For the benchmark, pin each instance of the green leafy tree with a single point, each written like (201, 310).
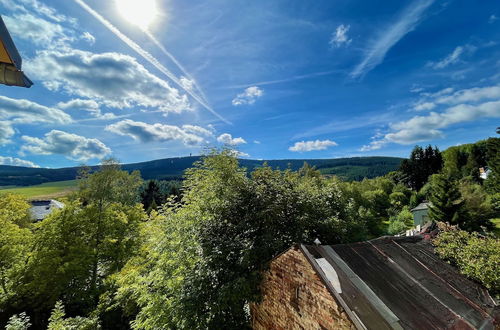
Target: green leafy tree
(476, 257)
(15, 245)
(202, 259)
(76, 249)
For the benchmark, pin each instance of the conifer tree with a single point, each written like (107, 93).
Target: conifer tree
(446, 201)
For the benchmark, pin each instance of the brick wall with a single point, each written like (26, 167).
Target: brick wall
(294, 297)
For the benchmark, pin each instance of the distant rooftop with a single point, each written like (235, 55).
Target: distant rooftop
(421, 206)
(40, 209)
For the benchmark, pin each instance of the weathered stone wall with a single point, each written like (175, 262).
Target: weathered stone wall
(294, 297)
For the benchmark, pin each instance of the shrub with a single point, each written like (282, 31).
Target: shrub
(476, 257)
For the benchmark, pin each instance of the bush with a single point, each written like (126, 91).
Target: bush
(476, 257)
(18, 322)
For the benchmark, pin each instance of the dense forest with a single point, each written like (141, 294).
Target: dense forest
(356, 168)
(124, 253)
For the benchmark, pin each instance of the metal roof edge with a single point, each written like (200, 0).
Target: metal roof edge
(352, 315)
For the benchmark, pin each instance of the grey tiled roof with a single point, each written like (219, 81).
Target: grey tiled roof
(421, 206)
(41, 209)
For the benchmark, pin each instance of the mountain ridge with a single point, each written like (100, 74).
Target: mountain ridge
(352, 168)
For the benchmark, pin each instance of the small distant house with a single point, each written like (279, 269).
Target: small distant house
(40, 209)
(386, 283)
(421, 214)
(484, 172)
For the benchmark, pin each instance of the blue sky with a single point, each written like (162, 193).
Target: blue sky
(274, 79)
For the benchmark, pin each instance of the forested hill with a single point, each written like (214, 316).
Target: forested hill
(355, 168)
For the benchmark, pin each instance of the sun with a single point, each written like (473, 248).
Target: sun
(138, 12)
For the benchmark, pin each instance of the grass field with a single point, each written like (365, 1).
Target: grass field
(44, 190)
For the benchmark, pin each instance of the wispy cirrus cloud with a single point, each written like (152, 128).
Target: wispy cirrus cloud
(391, 35)
(73, 146)
(304, 146)
(452, 58)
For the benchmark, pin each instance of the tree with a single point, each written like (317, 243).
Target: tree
(15, 245)
(421, 164)
(476, 257)
(493, 156)
(446, 201)
(78, 248)
(151, 196)
(203, 258)
(18, 322)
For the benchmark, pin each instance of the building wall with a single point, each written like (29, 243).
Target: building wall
(420, 217)
(294, 297)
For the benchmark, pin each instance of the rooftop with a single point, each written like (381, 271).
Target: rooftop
(40, 209)
(421, 206)
(398, 282)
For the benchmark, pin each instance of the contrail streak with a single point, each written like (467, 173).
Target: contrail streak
(173, 59)
(147, 56)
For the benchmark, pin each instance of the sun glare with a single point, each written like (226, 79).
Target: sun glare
(138, 12)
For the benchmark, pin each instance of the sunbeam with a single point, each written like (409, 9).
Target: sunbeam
(148, 57)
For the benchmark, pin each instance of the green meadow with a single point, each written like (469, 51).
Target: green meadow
(44, 190)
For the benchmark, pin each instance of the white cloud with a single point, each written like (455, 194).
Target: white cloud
(12, 161)
(389, 36)
(25, 111)
(239, 154)
(424, 106)
(37, 30)
(493, 18)
(88, 37)
(249, 96)
(80, 104)
(460, 107)
(62, 143)
(22, 111)
(339, 37)
(114, 79)
(6, 132)
(226, 138)
(140, 131)
(470, 95)
(304, 146)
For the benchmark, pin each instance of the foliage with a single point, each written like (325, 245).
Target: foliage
(70, 255)
(421, 164)
(18, 322)
(446, 201)
(155, 193)
(493, 152)
(57, 320)
(201, 264)
(402, 221)
(476, 257)
(15, 243)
